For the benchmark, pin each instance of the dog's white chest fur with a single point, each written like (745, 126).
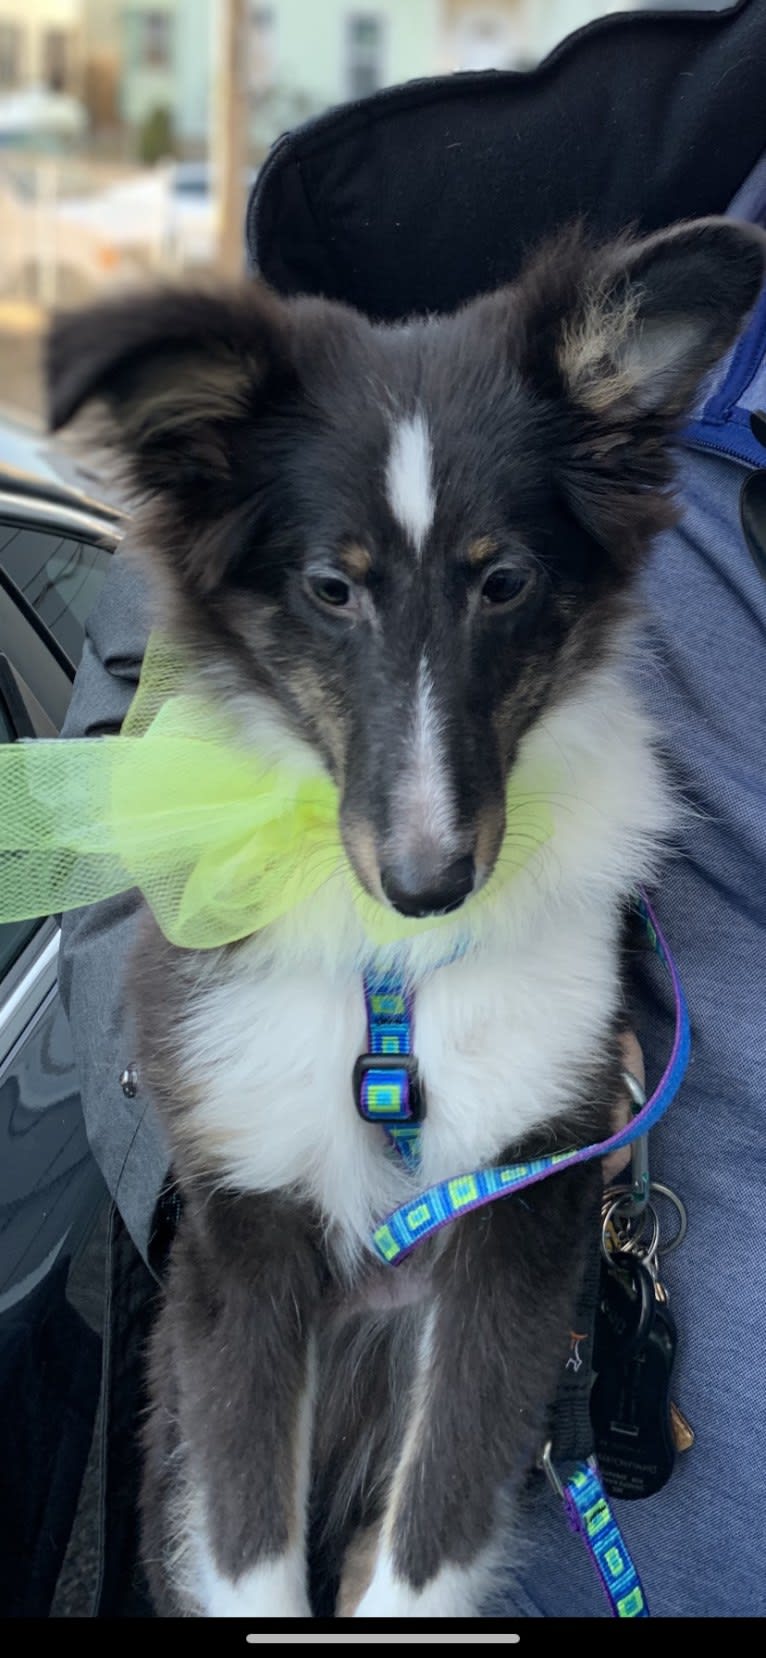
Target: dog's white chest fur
(501, 1034)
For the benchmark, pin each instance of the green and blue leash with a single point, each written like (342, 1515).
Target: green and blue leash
(387, 1092)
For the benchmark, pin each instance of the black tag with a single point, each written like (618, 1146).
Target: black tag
(630, 1400)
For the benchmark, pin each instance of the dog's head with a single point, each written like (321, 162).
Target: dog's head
(407, 544)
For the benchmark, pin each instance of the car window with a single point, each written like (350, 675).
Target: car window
(44, 681)
(13, 934)
(58, 575)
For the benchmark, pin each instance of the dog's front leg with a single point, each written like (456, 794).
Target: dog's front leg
(229, 1438)
(489, 1357)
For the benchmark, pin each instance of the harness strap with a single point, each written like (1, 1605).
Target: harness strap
(434, 1208)
(386, 1087)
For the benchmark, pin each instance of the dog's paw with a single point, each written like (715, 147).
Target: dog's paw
(450, 1594)
(272, 1589)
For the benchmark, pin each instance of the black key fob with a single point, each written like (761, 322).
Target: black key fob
(634, 1350)
(624, 1311)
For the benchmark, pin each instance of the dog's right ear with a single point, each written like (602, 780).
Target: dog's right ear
(180, 374)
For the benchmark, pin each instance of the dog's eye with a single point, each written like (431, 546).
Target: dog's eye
(505, 586)
(330, 590)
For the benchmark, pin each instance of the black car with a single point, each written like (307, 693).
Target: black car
(55, 545)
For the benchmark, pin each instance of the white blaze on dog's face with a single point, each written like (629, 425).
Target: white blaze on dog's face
(409, 478)
(402, 547)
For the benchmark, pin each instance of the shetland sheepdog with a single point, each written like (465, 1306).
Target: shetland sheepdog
(404, 558)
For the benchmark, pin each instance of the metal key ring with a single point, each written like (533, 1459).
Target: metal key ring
(650, 1255)
(683, 1219)
(631, 1215)
(634, 1244)
(618, 1221)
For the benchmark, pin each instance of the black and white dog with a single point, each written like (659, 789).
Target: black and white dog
(405, 557)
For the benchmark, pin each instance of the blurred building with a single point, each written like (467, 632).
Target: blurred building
(340, 50)
(514, 34)
(147, 67)
(40, 45)
(476, 34)
(166, 63)
(301, 56)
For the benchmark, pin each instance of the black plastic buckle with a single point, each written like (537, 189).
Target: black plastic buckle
(390, 1062)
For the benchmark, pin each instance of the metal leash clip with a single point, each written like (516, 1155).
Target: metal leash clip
(639, 1151)
(627, 1208)
(587, 1509)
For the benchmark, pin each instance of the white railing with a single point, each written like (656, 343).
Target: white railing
(65, 232)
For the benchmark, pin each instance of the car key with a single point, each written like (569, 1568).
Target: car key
(630, 1404)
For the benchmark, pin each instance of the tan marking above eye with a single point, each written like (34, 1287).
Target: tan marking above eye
(356, 560)
(482, 548)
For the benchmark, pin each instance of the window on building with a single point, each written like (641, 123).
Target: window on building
(364, 54)
(261, 66)
(10, 54)
(56, 65)
(155, 39)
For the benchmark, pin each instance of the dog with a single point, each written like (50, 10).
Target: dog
(405, 557)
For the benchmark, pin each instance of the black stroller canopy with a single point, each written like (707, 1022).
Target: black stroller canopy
(423, 196)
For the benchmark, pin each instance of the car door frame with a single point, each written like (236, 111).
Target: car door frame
(30, 982)
(30, 508)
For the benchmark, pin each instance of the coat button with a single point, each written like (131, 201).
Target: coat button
(129, 1082)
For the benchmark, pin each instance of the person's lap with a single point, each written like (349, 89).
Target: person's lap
(698, 1543)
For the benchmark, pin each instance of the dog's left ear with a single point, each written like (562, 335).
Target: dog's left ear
(170, 367)
(628, 334)
(179, 376)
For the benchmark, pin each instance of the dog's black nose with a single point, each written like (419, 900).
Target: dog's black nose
(414, 892)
